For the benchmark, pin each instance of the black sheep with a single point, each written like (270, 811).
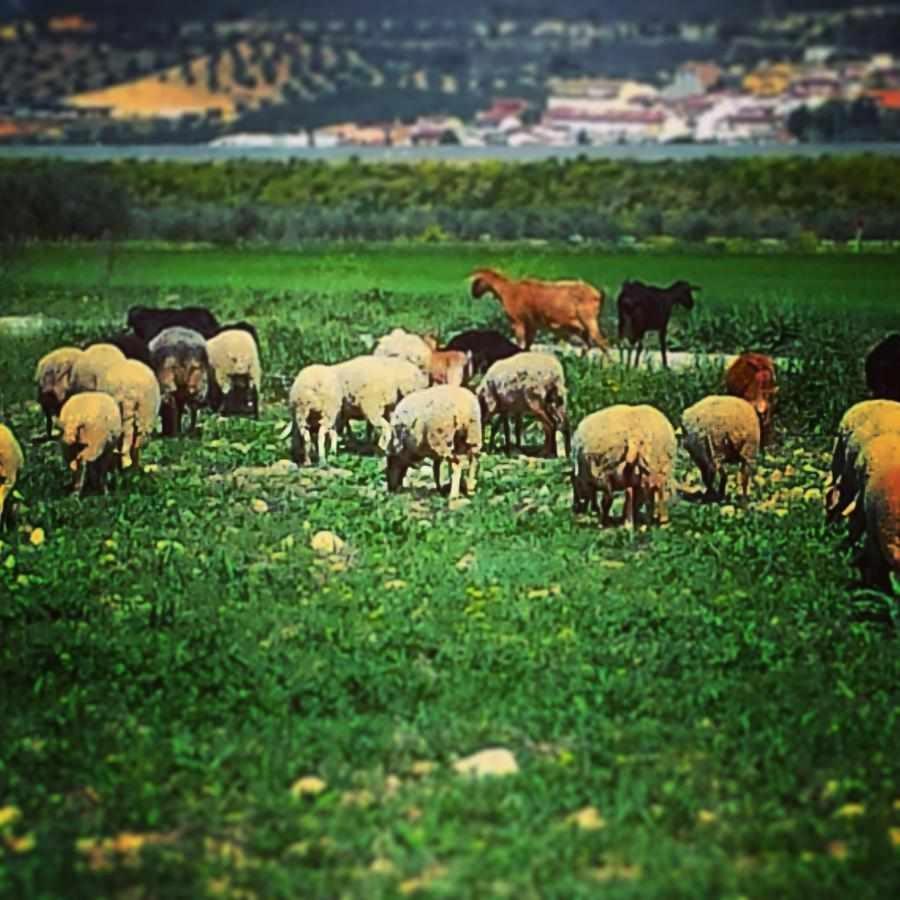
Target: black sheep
(131, 345)
(883, 369)
(486, 346)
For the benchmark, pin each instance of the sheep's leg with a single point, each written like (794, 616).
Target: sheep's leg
(605, 520)
(384, 428)
(436, 471)
(723, 478)
(298, 451)
(334, 439)
(745, 481)
(320, 443)
(506, 434)
(455, 477)
(519, 429)
(630, 508)
(472, 474)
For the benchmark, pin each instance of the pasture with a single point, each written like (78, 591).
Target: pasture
(709, 708)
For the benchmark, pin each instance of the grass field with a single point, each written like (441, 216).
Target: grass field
(176, 655)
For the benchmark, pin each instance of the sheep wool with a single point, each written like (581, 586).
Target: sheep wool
(181, 363)
(859, 425)
(11, 462)
(91, 437)
(92, 364)
(405, 345)
(371, 386)
(527, 383)
(722, 429)
(236, 370)
(881, 554)
(624, 448)
(315, 403)
(439, 423)
(54, 380)
(135, 388)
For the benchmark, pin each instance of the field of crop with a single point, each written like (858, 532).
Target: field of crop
(199, 699)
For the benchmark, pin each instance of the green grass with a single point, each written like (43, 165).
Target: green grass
(173, 660)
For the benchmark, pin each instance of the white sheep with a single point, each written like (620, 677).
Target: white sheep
(92, 364)
(91, 438)
(315, 401)
(181, 362)
(859, 424)
(405, 345)
(532, 384)
(721, 429)
(54, 381)
(11, 462)
(236, 372)
(371, 386)
(881, 501)
(438, 423)
(135, 388)
(624, 448)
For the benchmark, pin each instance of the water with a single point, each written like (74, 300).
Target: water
(640, 152)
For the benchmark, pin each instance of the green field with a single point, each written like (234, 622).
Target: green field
(176, 655)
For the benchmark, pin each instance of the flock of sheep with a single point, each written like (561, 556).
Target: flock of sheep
(413, 395)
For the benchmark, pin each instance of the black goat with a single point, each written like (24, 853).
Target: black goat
(147, 322)
(486, 346)
(131, 345)
(883, 368)
(643, 307)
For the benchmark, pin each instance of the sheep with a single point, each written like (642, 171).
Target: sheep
(242, 326)
(315, 400)
(438, 423)
(572, 307)
(54, 382)
(717, 430)
(862, 422)
(181, 363)
(531, 383)
(868, 455)
(881, 552)
(883, 368)
(624, 448)
(405, 345)
(486, 346)
(453, 367)
(235, 372)
(644, 307)
(371, 386)
(12, 461)
(91, 438)
(135, 388)
(752, 377)
(147, 322)
(90, 367)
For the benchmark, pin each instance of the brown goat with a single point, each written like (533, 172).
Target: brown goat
(752, 377)
(572, 307)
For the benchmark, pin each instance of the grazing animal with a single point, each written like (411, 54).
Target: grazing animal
(54, 382)
(718, 430)
(147, 322)
(486, 346)
(858, 426)
(881, 553)
(135, 388)
(92, 365)
(883, 368)
(91, 438)
(11, 462)
(235, 372)
(529, 383)
(405, 345)
(644, 307)
(572, 307)
(752, 377)
(453, 367)
(371, 386)
(441, 423)
(242, 326)
(624, 448)
(315, 401)
(181, 363)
